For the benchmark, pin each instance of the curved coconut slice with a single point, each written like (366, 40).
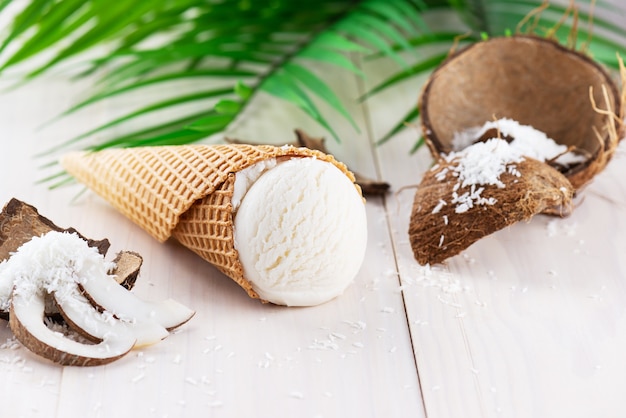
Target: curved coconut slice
(26, 322)
(82, 317)
(444, 222)
(106, 294)
(534, 81)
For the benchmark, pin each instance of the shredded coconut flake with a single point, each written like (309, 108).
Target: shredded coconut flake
(529, 141)
(439, 206)
(53, 263)
(479, 164)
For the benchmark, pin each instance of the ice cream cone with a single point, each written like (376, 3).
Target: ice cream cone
(182, 192)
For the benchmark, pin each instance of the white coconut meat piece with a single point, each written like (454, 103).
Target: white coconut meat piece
(6, 287)
(108, 295)
(27, 323)
(300, 231)
(527, 140)
(60, 264)
(80, 314)
(90, 272)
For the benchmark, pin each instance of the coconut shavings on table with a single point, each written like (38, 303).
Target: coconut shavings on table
(482, 188)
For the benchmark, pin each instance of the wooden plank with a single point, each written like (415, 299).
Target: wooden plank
(349, 357)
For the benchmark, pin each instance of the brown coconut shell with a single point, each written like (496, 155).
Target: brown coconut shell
(535, 81)
(20, 222)
(436, 234)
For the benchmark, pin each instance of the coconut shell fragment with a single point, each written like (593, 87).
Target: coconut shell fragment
(532, 80)
(20, 222)
(126, 270)
(437, 231)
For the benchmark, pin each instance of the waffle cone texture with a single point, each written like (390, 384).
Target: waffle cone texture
(182, 192)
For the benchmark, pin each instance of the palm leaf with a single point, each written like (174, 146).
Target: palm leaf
(271, 43)
(263, 45)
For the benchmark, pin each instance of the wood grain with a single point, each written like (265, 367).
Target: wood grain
(528, 322)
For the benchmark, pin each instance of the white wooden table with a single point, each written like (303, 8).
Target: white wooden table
(528, 322)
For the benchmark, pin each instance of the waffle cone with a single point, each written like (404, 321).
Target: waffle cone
(182, 192)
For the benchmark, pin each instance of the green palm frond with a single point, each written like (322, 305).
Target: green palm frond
(265, 45)
(235, 49)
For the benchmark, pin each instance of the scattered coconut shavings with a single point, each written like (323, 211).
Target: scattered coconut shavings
(54, 263)
(440, 205)
(557, 227)
(483, 162)
(486, 187)
(478, 165)
(529, 141)
(10, 344)
(296, 394)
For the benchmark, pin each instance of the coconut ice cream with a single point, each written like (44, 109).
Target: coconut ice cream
(286, 223)
(300, 231)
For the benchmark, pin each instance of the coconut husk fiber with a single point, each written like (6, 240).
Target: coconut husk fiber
(532, 80)
(437, 232)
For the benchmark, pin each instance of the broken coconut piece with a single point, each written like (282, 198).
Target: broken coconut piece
(535, 81)
(62, 265)
(532, 142)
(187, 192)
(96, 325)
(27, 324)
(106, 294)
(19, 222)
(474, 192)
(126, 270)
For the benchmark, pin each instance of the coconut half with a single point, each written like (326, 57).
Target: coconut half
(532, 80)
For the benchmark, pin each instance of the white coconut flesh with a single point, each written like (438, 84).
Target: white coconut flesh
(26, 321)
(6, 287)
(97, 326)
(63, 267)
(110, 296)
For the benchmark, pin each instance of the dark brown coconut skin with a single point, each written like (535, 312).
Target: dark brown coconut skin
(20, 222)
(530, 79)
(539, 188)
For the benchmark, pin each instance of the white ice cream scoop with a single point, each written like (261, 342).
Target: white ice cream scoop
(300, 230)
(296, 213)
